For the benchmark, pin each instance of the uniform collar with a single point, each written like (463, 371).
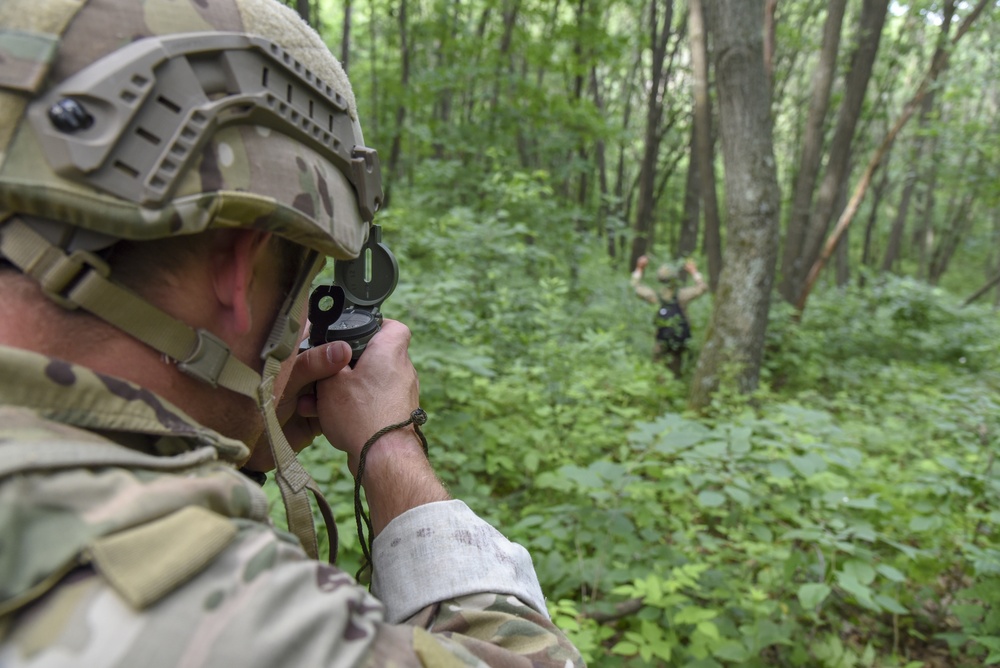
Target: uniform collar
(117, 409)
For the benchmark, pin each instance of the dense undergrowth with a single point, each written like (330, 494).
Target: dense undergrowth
(844, 515)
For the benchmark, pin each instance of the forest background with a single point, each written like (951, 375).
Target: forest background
(819, 487)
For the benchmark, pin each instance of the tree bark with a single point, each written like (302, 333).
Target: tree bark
(651, 142)
(688, 241)
(770, 9)
(510, 14)
(957, 228)
(345, 36)
(600, 156)
(373, 47)
(735, 340)
(843, 256)
(878, 193)
(924, 232)
(302, 7)
(397, 137)
(704, 149)
(812, 151)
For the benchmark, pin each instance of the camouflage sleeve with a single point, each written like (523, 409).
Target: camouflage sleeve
(644, 292)
(262, 603)
(691, 292)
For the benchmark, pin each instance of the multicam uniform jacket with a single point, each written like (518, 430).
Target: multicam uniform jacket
(127, 538)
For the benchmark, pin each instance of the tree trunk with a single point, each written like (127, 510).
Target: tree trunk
(302, 7)
(373, 47)
(869, 34)
(651, 146)
(600, 156)
(956, 228)
(770, 9)
(345, 36)
(923, 235)
(703, 140)
(470, 90)
(735, 339)
(623, 196)
(443, 62)
(878, 193)
(996, 250)
(397, 137)
(577, 99)
(894, 246)
(688, 241)
(843, 256)
(792, 266)
(510, 14)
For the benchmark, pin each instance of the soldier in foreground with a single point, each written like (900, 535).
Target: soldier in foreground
(172, 174)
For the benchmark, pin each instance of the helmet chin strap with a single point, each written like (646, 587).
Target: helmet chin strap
(80, 279)
(291, 476)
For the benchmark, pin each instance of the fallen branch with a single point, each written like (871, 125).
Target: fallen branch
(623, 609)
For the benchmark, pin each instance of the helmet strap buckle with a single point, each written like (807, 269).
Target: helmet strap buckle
(208, 358)
(65, 271)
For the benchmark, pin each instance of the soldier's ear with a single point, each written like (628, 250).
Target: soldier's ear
(233, 261)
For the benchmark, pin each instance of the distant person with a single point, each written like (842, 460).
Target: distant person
(672, 326)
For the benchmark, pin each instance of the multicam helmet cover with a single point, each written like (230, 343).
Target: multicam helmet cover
(144, 120)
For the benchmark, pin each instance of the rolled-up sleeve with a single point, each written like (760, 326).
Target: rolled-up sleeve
(441, 551)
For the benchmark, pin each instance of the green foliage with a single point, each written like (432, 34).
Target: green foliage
(844, 515)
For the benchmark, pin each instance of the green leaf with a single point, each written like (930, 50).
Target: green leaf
(862, 592)
(688, 434)
(860, 571)
(891, 604)
(710, 499)
(925, 523)
(555, 481)
(625, 648)
(694, 615)
(739, 440)
(890, 573)
(738, 495)
(585, 478)
(807, 464)
(989, 642)
(731, 650)
(711, 450)
(812, 594)
(708, 629)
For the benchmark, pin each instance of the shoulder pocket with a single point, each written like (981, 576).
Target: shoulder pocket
(146, 563)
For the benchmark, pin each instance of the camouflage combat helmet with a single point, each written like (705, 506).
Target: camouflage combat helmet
(666, 274)
(145, 119)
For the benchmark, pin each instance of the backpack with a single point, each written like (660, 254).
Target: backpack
(672, 327)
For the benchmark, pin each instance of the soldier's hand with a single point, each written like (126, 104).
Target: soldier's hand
(382, 389)
(297, 407)
(641, 262)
